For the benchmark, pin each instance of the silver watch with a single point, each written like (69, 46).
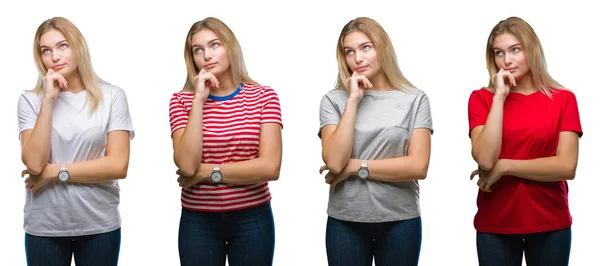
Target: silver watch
(216, 174)
(63, 174)
(363, 171)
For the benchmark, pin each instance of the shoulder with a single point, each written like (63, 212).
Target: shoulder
(562, 93)
(110, 91)
(258, 88)
(31, 98)
(336, 95)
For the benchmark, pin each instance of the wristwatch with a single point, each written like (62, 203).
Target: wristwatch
(216, 175)
(363, 171)
(63, 174)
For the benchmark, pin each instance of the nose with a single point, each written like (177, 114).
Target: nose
(508, 60)
(358, 58)
(55, 56)
(207, 55)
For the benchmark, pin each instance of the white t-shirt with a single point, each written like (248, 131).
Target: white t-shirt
(75, 209)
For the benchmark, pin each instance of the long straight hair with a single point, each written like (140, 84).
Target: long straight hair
(81, 53)
(534, 54)
(237, 66)
(383, 46)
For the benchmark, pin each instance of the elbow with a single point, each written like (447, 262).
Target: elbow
(34, 168)
(421, 172)
(571, 170)
(333, 167)
(273, 173)
(121, 171)
(485, 165)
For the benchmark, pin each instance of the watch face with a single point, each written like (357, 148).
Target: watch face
(216, 176)
(63, 176)
(363, 173)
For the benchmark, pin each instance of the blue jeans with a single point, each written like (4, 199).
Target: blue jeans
(390, 243)
(246, 237)
(100, 249)
(546, 248)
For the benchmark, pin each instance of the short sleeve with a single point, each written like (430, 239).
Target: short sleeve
(26, 113)
(271, 111)
(423, 118)
(478, 110)
(328, 113)
(569, 120)
(120, 119)
(178, 116)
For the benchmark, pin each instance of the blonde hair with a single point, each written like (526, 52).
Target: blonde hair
(383, 46)
(534, 54)
(237, 66)
(79, 48)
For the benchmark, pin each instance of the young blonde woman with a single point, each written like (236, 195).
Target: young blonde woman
(375, 132)
(226, 131)
(75, 131)
(525, 131)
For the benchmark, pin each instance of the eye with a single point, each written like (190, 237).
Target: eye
(349, 52)
(197, 50)
(499, 53)
(215, 45)
(45, 51)
(63, 46)
(366, 47)
(516, 49)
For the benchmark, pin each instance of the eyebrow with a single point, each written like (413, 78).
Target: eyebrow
(362, 44)
(516, 44)
(60, 42)
(209, 42)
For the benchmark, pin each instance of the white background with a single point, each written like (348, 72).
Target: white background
(291, 47)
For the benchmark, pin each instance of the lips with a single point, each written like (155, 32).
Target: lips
(210, 65)
(361, 68)
(58, 66)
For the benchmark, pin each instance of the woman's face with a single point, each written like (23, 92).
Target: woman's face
(56, 53)
(209, 53)
(509, 55)
(361, 56)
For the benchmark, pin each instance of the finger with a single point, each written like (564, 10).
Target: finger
(367, 83)
(64, 81)
(323, 168)
(354, 74)
(487, 187)
(24, 172)
(512, 80)
(474, 173)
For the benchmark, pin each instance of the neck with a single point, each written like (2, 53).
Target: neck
(525, 85)
(380, 83)
(75, 84)
(226, 86)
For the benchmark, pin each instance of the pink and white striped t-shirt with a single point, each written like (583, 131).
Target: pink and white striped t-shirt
(231, 130)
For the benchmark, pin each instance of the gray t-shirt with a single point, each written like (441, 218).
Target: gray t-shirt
(74, 209)
(384, 124)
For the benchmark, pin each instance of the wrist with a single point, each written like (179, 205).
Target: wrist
(354, 165)
(351, 102)
(51, 172)
(503, 166)
(48, 99)
(499, 98)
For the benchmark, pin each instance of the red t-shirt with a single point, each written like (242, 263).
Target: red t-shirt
(231, 131)
(530, 130)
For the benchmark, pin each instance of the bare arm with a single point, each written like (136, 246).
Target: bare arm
(486, 140)
(262, 169)
(413, 166)
(338, 140)
(35, 143)
(562, 166)
(187, 142)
